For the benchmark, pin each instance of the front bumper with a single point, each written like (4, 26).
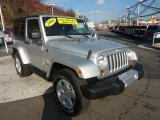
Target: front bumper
(112, 85)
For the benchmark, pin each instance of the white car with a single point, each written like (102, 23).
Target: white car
(1, 37)
(8, 36)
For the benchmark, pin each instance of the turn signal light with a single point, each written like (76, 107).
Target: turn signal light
(79, 72)
(101, 72)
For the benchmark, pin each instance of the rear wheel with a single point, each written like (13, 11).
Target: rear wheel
(68, 93)
(20, 67)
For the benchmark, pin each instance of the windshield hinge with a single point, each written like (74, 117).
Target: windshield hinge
(89, 54)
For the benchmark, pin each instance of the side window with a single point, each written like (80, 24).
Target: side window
(32, 25)
(19, 29)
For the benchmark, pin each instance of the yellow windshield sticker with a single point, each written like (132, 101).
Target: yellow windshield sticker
(50, 22)
(67, 21)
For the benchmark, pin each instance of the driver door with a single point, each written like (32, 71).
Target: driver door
(34, 46)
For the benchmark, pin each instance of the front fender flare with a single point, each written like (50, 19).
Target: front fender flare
(87, 67)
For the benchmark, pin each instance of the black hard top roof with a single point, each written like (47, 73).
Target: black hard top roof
(23, 18)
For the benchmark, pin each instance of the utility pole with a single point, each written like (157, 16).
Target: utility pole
(52, 5)
(3, 28)
(124, 20)
(130, 20)
(52, 9)
(128, 16)
(138, 11)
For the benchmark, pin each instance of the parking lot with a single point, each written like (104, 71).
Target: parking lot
(31, 98)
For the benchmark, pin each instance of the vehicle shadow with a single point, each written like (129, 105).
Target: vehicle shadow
(51, 110)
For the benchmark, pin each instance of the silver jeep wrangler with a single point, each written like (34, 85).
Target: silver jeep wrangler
(81, 67)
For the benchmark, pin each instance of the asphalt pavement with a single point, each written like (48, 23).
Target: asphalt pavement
(3, 51)
(13, 87)
(140, 101)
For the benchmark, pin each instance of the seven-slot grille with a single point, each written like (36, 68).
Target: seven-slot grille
(117, 61)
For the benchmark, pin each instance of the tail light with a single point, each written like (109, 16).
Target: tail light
(9, 36)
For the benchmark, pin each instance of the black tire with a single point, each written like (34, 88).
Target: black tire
(81, 103)
(139, 67)
(24, 72)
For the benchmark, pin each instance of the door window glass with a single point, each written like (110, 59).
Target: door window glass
(33, 25)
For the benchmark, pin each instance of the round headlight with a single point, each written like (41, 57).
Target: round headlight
(101, 61)
(132, 55)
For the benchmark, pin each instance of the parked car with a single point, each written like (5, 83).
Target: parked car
(81, 67)
(8, 36)
(115, 28)
(98, 28)
(156, 40)
(141, 31)
(130, 30)
(121, 29)
(1, 37)
(152, 29)
(110, 28)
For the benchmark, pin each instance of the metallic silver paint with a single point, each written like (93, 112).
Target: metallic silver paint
(74, 61)
(71, 52)
(66, 94)
(20, 47)
(129, 77)
(18, 65)
(83, 45)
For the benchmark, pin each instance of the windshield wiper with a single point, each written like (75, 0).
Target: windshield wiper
(68, 36)
(86, 35)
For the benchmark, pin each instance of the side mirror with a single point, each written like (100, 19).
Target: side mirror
(94, 35)
(35, 35)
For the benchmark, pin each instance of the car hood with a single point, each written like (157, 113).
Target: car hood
(83, 45)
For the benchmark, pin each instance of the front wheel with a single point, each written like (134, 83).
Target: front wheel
(68, 93)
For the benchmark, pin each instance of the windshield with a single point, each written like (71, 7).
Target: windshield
(55, 26)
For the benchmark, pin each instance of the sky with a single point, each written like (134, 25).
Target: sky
(95, 10)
